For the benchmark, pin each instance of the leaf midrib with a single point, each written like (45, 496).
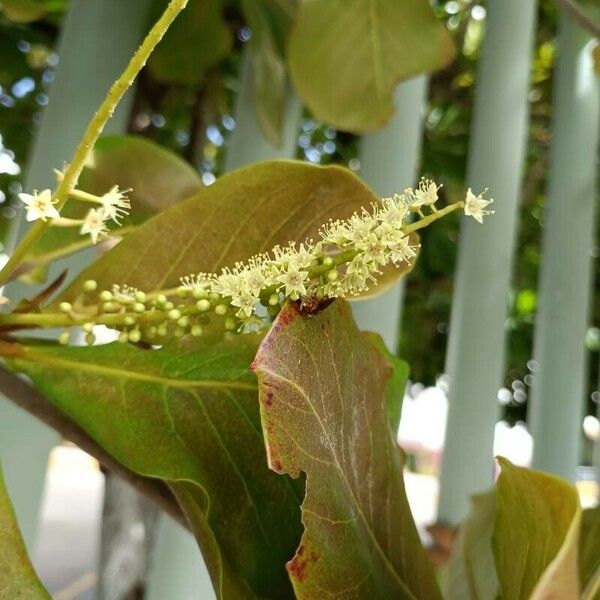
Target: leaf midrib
(63, 363)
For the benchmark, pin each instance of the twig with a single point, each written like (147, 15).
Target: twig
(580, 16)
(28, 398)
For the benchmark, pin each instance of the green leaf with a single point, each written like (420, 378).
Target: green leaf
(23, 11)
(18, 580)
(189, 416)
(472, 572)
(323, 407)
(156, 177)
(346, 56)
(243, 213)
(269, 78)
(536, 535)
(589, 554)
(396, 384)
(196, 42)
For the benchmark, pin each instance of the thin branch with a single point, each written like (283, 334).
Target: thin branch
(579, 14)
(28, 398)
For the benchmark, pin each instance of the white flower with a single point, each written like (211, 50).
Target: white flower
(115, 204)
(39, 205)
(124, 294)
(475, 206)
(94, 224)
(425, 194)
(393, 211)
(293, 280)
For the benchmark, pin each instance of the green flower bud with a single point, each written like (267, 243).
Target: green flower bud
(183, 321)
(90, 338)
(174, 314)
(196, 330)
(105, 296)
(135, 336)
(203, 305)
(332, 275)
(123, 337)
(140, 297)
(129, 320)
(65, 307)
(328, 261)
(87, 327)
(221, 309)
(138, 307)
(274, 300)
(161, 299)
(162, 329)
(230, 324)
(64, 338)
(168, 306)
(110, 307)
(90, 285)
(182, 292)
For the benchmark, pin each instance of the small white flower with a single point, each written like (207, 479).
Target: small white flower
(293, 280)
(39, 205)
(94, 224)
(425, 194)
(115, 204)
(124, 294)
(475, 206)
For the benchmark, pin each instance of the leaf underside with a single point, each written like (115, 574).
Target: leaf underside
(323, 406)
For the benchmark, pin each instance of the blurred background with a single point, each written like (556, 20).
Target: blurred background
(197, 116)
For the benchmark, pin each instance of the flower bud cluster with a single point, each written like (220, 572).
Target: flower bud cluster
(346, 261)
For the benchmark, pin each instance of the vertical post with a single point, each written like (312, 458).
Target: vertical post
(475, 360)
(559, 389)
(389, 161)
(177, 572)
(247, 143)
(97, 40)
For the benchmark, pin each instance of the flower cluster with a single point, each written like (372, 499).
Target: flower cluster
(347, 260)
(111, 206)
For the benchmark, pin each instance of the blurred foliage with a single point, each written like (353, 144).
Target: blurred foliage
(195, 117)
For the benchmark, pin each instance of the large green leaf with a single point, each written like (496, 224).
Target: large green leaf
(323, 407)
(589, 554)
(189, 416)
(197, 41)
(471, 573)
(346, 56)
(536, 535)
(18, 580)
(156, 177)
(245, 212)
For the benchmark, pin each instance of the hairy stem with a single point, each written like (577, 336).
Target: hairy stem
(94, 129)
(28, 398)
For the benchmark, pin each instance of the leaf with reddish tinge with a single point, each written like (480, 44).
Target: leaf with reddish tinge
(18, 580)
(323, 406)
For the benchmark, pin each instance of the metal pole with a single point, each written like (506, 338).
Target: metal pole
(389, 163)
(475, 361)
(559, 388)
